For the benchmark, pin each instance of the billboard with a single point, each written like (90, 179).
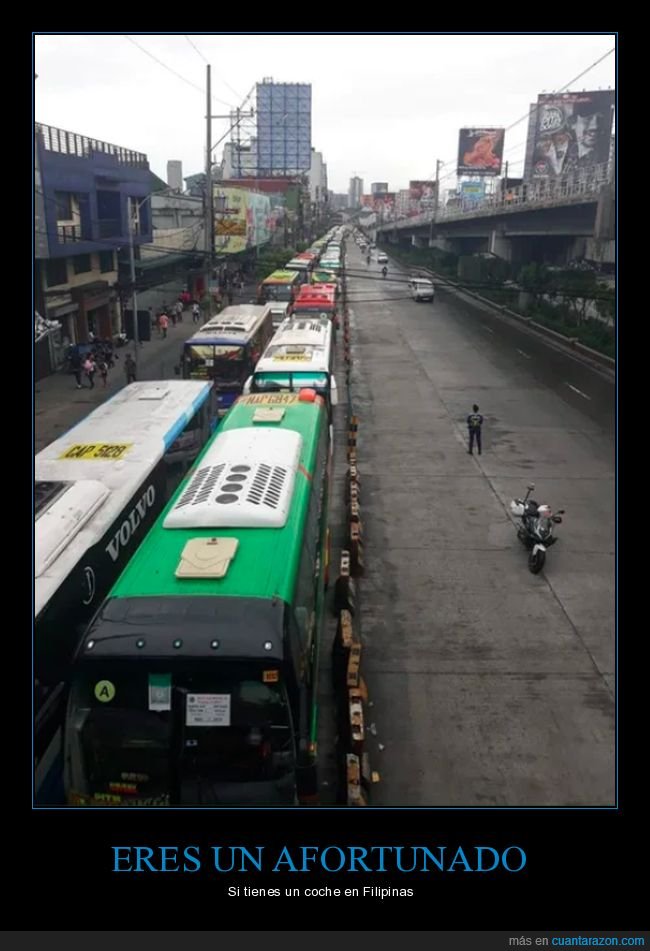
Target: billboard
(424, 193)
(480, 151)
(569, 131)
(383, 201)
(472, 191)
(283, 128)
(260, 220)
(242, 219)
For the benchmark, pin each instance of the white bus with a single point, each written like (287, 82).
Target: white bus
(300, 355)
(98, 490)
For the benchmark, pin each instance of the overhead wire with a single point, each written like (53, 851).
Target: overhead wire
(173, 71)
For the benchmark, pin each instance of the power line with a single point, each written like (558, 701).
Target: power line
(173, 71)
(224, 81)
(195, 47)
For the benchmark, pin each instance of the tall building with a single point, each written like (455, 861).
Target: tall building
(403, 203)
(283, 128)
(175, 175)
(355, 192)
(378, 188)
(317, 178)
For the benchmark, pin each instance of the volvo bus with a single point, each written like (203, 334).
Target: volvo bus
(196, 682)
(226, 349)
(98, 489)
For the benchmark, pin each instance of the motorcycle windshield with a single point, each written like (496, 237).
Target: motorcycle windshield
(543, 526)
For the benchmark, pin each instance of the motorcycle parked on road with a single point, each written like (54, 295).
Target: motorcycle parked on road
(536, 528)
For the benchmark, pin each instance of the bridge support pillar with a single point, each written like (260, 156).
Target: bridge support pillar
(500, 245)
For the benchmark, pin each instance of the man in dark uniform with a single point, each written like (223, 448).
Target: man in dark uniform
(474, 423)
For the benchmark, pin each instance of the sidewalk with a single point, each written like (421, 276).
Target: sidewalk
(59, 405)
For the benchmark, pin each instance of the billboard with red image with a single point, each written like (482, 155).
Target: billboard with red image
(480, 151)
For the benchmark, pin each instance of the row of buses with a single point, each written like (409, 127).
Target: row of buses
(194, 681)
(227, 349)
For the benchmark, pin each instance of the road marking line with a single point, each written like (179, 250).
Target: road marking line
(489, 329)
(523, 354)
(576, 390)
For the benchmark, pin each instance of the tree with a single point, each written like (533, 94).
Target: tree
(606, 303)
(535, 279)
(576, 289)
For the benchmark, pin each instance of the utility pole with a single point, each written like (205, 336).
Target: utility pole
(439, 165)
(210, 148)
(209, 217)
(435, 198)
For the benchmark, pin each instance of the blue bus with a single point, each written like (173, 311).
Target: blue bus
(226, 350)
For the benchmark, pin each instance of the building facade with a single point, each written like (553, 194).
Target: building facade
(88, 193)
(175, 175)
(355, 192)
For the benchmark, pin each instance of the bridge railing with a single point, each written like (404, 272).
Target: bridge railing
(569, 189)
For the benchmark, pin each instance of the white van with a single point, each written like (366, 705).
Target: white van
(421, 288)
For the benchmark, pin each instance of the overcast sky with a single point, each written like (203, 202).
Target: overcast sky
(384, 107)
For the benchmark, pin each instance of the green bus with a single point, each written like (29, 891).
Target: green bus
(196, 681)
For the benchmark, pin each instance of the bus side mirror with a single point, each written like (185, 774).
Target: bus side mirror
(334, 395)
(247, 386)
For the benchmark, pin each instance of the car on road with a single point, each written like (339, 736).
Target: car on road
(421, 288)
(382, 258)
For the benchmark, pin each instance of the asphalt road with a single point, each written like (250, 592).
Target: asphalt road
(490, 686)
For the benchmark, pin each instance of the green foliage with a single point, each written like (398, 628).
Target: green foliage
(606, 305)
(273, 259)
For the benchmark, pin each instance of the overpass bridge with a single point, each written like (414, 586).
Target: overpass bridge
(555, 220)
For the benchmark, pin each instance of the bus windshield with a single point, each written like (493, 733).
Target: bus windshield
(273, 382)
(277, 292)
(161, 734)
(218, 363)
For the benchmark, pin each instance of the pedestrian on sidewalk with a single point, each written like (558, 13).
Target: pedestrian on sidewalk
(130, 369)
(103, 371)
(179, 311)
(90, 368)
(474, 423)
(164, 324)
(196, 313)
(229, 295)
(75, 364)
